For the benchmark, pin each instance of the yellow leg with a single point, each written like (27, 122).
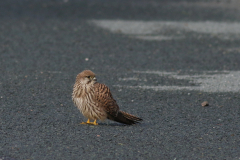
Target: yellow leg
(92, 123)
(95, 122)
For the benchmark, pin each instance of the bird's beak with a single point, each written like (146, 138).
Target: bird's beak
(94, 79)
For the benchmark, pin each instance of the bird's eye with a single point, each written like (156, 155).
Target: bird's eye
(88, 76)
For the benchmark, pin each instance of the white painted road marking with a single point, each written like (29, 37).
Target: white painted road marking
(218, 81)
(156, 30)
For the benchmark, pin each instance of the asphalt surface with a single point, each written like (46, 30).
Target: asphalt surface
(161, 60)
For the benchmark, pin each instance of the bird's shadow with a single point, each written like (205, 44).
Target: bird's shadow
(112, 124)
(119, 124)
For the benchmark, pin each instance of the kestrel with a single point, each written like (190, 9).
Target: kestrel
(96, 102)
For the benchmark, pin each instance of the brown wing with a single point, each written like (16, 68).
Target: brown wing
(105, 99)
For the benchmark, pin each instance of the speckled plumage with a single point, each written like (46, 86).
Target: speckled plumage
(95, 101)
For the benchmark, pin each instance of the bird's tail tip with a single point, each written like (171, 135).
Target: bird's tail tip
(125, 118)
(130, 119)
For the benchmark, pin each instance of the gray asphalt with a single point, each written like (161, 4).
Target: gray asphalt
(161, 60)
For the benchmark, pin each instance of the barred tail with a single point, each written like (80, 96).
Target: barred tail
(125, 118)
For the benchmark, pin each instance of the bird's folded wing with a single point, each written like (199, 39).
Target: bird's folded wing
(104, 98)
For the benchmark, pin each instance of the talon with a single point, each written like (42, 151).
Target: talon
(88, 121)
(92, 123)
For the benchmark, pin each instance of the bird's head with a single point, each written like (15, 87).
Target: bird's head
(86, 77)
